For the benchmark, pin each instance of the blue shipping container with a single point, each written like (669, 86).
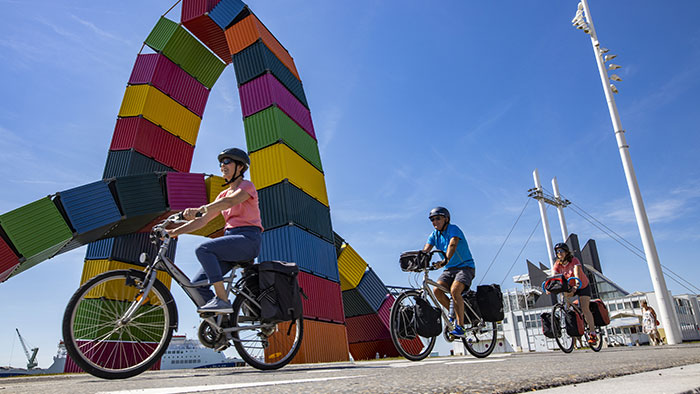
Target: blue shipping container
(89, 207)
(126, 248)
(372, 289)
(225, 12)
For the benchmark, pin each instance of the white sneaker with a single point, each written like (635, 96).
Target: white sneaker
(216, 305)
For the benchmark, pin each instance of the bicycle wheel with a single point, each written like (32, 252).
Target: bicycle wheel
(480, 340)
(565, 342)
(269, 347)
(599, 340)
(105, 345)
(416, 347)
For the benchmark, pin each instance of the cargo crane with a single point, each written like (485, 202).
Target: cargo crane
(31, 358)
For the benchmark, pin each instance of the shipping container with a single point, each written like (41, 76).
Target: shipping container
(9, 260)
(157, 70)
(311, 253)
(92, 268)
(141, 135)
(373, 350)
(385, 310)
(338, 241)
(215, 226)
(129, 162)
(186, 51)
(214, 185)
(195, 17)
(271, 125)
(322, 342)
(284, 203)
(90, 210)
(257, 60)
(372, 289)
(249, 30)
(266, 91)
(366, 328)
(154, 105)
(141, 199)
(277, 162)
(226, 12)
(126, 248)
(185, 190)
(37, 230)
(132, 355)
(351, 267)
(323, 301)
(354, 304)
(193, 8)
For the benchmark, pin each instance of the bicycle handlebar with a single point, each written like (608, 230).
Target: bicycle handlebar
(176, 218)
(433, 267)
(578, 283)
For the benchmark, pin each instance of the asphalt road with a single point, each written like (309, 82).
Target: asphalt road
(499, 373)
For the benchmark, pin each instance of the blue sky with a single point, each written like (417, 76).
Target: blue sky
(414, 106)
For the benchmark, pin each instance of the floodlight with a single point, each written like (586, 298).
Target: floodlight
(613, 67)
(613, 88)
(604, 50)
(615, 78)
(580, 5)
(610, 57)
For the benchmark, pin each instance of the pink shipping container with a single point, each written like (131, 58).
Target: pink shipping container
(325, 298)
(196, 19)
(366, 328)
(152, 141)
(385, 310)
(185, 190)
(130, 354)
(157, 70)
(266, 91)
(9, 261)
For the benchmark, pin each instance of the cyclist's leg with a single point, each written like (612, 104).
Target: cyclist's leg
(445, 280)
(462, 282)
(584, 296)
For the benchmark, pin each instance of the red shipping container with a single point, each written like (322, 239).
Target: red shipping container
(9, 261)
(325, 300)
(383, 348)
(266, 91)
(185, 190)
(131, 353)
(150, 140)
(385, 310)
(195, 17)
(366, 328)
(157, 70)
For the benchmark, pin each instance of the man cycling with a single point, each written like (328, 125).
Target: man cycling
(459, 264)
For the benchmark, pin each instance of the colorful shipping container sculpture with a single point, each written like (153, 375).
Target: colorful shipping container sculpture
(146, 178)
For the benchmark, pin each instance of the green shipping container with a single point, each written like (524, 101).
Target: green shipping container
(267, 127)
(183, 49)
(37, 230)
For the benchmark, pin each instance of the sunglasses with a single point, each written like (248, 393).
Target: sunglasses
(435, 218)
(560, 251)
(226, 161)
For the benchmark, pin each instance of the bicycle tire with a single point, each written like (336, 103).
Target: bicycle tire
(258, 347)
(414, 349)
(599, 343)
(477, 341)
(564, 341)
(102, 345)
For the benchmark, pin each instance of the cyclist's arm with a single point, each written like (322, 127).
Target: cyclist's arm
(195, 224)
(427, 248)
(227, 202)
(578, 272)
(451, 248)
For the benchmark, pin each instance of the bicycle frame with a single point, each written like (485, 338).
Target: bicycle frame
(427, 282)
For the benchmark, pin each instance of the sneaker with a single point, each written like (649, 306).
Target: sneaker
(592, 338)
(458, 331)
(216, 305)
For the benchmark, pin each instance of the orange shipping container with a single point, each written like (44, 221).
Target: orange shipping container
(246, 32)
(322, 342)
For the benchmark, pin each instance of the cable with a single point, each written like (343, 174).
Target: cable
(521, 250)
(170, 9)
(504, 242)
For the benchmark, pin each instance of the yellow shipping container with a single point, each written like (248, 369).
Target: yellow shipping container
(351, 268)
(273, 164)
(114, 291)
(210, 228)
(214, 186)
(160, 109)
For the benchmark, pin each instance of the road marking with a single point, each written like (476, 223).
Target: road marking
(415, 364)
(493, 360)
(195, 389)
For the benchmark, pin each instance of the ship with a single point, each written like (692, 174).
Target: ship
(186, 353)
(59, 363)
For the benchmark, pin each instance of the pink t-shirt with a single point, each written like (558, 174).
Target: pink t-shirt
(246, 213)
(568, 271)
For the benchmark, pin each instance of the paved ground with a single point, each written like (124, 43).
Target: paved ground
(509, 373)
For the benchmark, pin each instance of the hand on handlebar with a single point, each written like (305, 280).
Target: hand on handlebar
(193, 213)
(439, 264)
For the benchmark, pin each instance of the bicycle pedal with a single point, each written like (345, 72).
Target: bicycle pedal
(205, 315)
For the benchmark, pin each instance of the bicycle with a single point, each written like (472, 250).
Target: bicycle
(480, 335)
(560, 310)
(119, 323)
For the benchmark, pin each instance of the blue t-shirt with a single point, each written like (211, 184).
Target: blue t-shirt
(441, 240)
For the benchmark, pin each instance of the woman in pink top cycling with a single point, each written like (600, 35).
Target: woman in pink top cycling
(241, 241)
(569, 266)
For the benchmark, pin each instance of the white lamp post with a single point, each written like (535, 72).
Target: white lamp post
(583, 21)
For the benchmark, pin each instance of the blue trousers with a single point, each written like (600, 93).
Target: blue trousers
(216, 255)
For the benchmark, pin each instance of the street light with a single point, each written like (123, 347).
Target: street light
(583, 18)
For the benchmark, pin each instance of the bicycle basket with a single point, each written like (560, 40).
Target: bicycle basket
(414, 261)
(556, 284)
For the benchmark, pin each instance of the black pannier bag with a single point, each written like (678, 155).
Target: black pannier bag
(546, 318)
(490, 301)
(556, 284)
(471, 299)
(280, 296)
(251, 280)
(407, 322)
(574, 324)
(428, 319)
(414, 261)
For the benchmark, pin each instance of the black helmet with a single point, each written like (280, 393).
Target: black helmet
(561, 245)
(235, 154)
(439, 211)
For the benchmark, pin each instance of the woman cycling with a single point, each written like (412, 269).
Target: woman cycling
(569, 266)
(241, 241)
